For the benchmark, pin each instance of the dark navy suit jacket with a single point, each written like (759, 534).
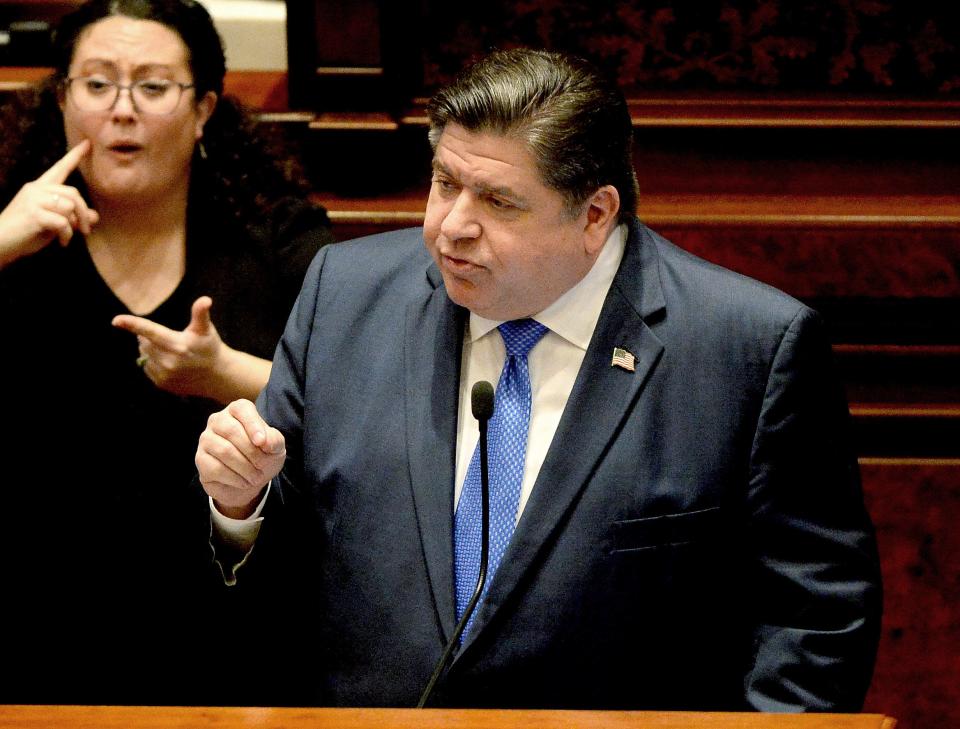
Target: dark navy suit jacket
(696, 538)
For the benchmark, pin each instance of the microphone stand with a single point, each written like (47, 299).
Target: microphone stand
(482, 413)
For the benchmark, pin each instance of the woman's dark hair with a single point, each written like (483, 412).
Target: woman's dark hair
(241, 174)
(186, 18)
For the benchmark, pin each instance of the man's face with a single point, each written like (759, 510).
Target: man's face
(505, 244)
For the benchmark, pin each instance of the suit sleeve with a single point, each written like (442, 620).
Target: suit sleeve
(815, 580)
(273, 558)
(274, 590)
(282, 401)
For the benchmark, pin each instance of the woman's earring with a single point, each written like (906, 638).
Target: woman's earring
(201, 150)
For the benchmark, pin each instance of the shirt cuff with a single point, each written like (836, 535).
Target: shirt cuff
(233, 539)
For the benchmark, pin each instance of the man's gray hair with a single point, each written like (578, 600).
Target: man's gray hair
(574, 122)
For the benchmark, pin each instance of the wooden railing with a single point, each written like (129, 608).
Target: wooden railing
(152, 717)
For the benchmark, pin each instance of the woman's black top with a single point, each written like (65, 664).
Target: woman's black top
(107, 589)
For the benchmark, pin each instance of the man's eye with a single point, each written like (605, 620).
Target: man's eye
(444, 184)
(154, 88)
(499, 204)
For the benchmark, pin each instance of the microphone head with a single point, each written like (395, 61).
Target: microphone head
(481, 400)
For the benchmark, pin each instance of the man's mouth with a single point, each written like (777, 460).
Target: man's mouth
(460, 265)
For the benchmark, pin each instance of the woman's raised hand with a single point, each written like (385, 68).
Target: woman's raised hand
(45, 209)
(195, 361)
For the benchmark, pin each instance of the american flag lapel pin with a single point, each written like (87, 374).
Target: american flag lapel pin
(623, 359)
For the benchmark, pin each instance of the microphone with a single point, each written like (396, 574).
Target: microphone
(481, 405)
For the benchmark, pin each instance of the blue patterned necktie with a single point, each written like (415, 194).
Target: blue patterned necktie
(507, 448)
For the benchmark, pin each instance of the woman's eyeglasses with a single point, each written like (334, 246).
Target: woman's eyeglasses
(149, 96)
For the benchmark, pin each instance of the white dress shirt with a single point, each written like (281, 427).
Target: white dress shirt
(553, 363)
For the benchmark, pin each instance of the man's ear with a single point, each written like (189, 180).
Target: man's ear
(602, 210)
(205, 108)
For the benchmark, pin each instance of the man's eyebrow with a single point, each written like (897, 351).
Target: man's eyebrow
(483, 189)
(505, 192)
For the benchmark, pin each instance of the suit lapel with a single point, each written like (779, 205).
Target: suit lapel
(602, 397)
(432, 351)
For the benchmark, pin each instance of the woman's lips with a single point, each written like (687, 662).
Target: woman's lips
(124, 148)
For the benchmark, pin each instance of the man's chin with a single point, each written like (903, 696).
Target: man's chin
(459, 291)
(463, 293)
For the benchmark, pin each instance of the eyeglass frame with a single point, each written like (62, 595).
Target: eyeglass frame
(68, 81)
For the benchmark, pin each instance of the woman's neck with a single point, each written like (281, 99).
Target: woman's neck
(138, 223)
(140, 250)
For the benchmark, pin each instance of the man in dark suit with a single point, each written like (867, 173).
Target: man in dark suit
(679, 524)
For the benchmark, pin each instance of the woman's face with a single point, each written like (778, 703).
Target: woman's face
(135, 154)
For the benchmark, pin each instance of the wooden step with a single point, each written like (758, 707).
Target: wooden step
(745, 110)
(938, 213)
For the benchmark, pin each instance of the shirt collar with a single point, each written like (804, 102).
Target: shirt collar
(574, 315)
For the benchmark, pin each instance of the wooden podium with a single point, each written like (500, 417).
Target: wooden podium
(195, 717)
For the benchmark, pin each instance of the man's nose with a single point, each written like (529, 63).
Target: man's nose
(461, 221)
